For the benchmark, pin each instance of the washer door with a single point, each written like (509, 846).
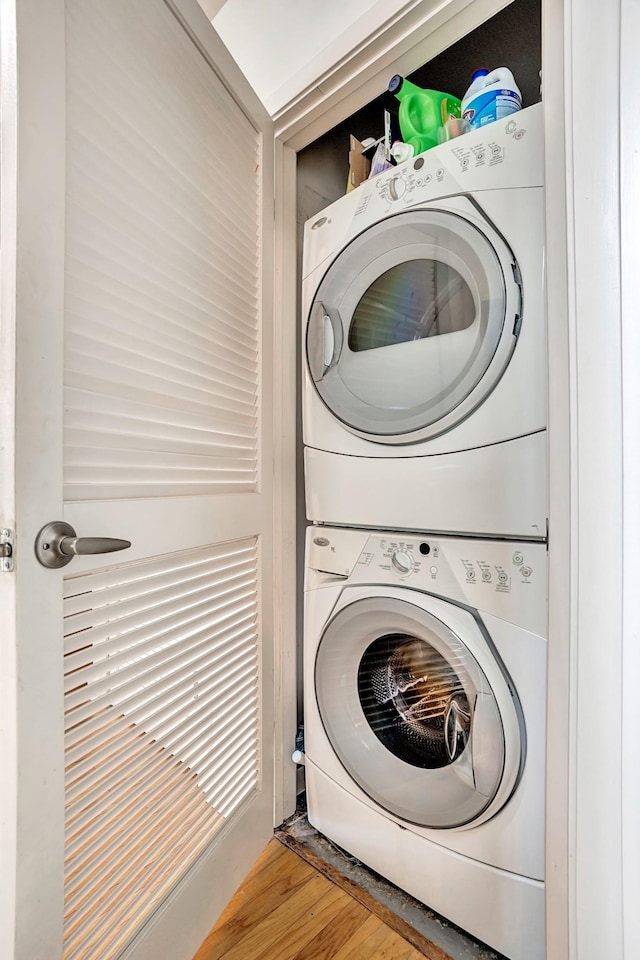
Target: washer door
(412, 715)
(413, 325)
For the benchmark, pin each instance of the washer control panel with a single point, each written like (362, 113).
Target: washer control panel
(505, 578)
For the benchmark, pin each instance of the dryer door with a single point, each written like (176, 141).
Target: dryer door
(413, 717)
(414, 323)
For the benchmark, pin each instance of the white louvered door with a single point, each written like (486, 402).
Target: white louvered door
(143, 747)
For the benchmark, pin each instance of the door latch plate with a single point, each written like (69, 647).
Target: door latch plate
(6, 550)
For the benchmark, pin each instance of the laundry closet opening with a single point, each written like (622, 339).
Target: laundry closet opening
(512, 38)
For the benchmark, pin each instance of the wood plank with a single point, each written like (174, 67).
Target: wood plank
(369, 947)
(260, 936)
(289, 909)
(425, 948)
(349, 950)
(294, 939)
(395, 947)
(275, 877)
(351, 917)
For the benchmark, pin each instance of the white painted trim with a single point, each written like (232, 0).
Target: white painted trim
(630, 293)
(190, 15)
(404, 43)
(597, 481)
(212, 7)
(8, 650)
(285, 418)
(562, 456)
(33, 223)
(374, 21)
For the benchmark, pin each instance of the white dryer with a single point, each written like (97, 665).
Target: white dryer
(424, 684)
(424, 387)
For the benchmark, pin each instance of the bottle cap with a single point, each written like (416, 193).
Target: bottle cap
(479, 73)
(401, 151)
(395, 83)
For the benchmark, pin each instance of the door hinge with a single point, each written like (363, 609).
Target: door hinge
(6, 550)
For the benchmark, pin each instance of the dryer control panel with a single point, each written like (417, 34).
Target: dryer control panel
(505, 578)
(503, 154)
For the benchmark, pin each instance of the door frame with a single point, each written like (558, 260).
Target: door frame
(34, 290)
(590, 910)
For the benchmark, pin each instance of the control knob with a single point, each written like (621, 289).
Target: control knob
(402, 561)
(397, 186)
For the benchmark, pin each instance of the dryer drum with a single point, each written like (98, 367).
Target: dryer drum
(411, 301)
(414, 701)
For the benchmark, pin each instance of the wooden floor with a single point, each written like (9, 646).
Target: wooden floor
(287, 910)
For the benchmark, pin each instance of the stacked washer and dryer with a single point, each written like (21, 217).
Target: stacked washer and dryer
(424, 413)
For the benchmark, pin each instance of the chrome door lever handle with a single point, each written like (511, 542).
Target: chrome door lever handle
(57, 544)
(84, 546)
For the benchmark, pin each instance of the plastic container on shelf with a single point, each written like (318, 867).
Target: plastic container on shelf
(491, 96)
(401, 151)
(422, 112)
(452, 129)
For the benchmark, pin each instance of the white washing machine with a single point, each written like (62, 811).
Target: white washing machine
(424, 387)
(424, 673)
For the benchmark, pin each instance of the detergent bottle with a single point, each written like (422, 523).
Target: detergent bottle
(422, 112)
(491, 96)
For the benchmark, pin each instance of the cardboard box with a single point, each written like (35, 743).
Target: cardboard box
(359, 165)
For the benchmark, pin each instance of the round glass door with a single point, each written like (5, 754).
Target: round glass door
(414, 701)
(407, 323)
(410, 713)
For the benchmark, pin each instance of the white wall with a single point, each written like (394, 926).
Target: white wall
(284, 46)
